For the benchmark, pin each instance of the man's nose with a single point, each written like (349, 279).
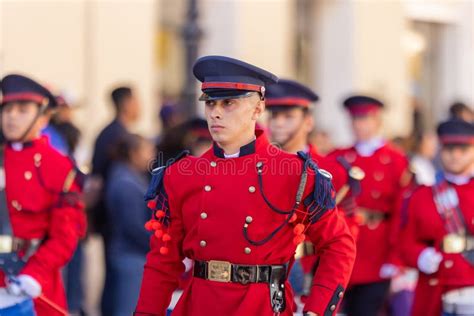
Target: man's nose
(216, 112)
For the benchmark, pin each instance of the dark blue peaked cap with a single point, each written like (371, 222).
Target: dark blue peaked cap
(18, 88)
(456, 132)
(289, 93)
(224, 77)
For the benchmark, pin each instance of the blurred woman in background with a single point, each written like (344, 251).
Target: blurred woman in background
(127, 182)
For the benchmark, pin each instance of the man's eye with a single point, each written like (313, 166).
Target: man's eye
(228, 102)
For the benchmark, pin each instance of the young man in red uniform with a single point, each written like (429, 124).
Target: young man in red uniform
(42, 216)
(386, 175)
(290, 122)
(239, 211)
(438, 237)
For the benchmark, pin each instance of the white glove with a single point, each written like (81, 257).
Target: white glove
(23, 285)
(429, 260)
(388, 271)
(8, 300)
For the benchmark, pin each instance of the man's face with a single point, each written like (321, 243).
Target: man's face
(366, 126)
(457, 159)
(132, 108)
(231, 119)
(288, 124)
(17, 117)
(467, 116)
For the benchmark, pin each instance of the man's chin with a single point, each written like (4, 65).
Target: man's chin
(11, 136)
(457, 170)
(279, 140)
(218, 137)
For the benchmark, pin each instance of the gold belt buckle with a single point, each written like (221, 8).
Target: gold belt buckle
(6, 243)
(219, 271)
(454, 243)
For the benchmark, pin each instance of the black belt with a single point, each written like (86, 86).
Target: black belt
(223, 271)
(14, 244)
(369, 215)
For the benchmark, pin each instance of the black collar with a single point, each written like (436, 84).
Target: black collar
(244, 150)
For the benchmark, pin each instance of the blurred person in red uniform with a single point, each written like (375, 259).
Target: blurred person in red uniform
(42, 216)
(438, 238)
(290, 123)
(239, 212)
(376, 212)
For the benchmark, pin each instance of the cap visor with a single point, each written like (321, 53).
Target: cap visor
(220, 94)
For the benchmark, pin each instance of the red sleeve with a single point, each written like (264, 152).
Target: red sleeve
(67, 226)
(336, 251)
(411, 244)
(162, 272)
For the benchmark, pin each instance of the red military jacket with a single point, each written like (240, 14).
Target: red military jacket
(425, 228)
(386, 175)
(43, 202)
(210, 199)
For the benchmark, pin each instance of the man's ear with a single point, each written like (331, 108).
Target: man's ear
(379, 119)
(45, 117)
(259, 110)
(308, 122)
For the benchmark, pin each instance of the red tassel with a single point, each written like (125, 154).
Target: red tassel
(298, 239)
(299, 229)
(158, 233)
(166, 237)
(164, 250)
(149, 225)
(160, 214)
(151, 204)
(156, 225)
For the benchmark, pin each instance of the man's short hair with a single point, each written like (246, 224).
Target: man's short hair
(457, 108)
(119, 95)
